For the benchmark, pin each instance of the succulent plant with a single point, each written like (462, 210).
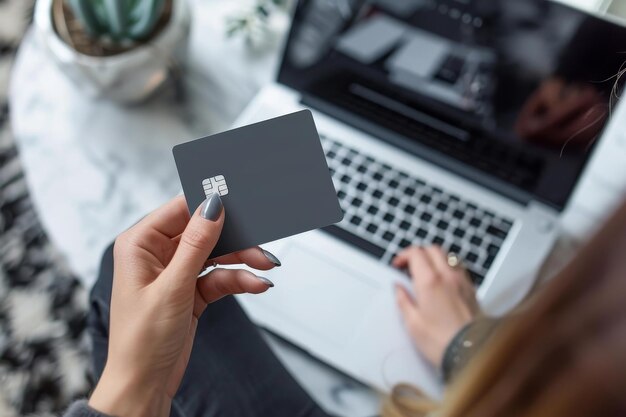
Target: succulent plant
(119, 20)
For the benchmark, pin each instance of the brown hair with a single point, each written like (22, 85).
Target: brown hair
(563, 355)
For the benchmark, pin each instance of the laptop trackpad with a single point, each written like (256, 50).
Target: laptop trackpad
(325, 297)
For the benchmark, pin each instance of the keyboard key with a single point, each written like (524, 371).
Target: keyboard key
(362, 169)
(497, 232)
(377, 194)
(460, 233)
(355, 240)
(346, 161)
(427, 217)
(394, 202)
(442, 206)
(426, 199)
(341, 195)
(476, 278)
(389, 217)
(345, 179)
(372, 210)
(377, 176)
(493, 249)
(455, 248)
(471, 257)
(388, 236)
(475, 221)
(489, 261)
(476, 240)
(361, 186)
(404, 243)
(356, 220)
(409, 209)
(421, 233)
(372, 228)
(404, 225)
(331, 155)
(357, 202)
(409, 191)
(442, 224)
(394, 184)
(458, 214)
(438, 240)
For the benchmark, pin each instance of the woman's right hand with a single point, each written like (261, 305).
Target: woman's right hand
(445, 300)
(157, 299)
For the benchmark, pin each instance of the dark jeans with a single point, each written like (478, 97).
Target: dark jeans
(232, 371)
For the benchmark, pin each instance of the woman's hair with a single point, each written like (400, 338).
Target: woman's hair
(563, 355)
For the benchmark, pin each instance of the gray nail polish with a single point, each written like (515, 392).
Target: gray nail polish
(212, 207)
(271, 257)
(265, 281)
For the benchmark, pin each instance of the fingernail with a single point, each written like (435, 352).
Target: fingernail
(271, 257)
(212, 207)
(265, 281)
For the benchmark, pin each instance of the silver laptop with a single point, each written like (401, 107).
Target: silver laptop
(435, 120)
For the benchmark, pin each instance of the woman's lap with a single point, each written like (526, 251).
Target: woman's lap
(231, 371)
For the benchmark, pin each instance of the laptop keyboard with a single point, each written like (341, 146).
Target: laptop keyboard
(387, 210)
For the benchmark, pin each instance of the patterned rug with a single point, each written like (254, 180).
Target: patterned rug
(43, 346)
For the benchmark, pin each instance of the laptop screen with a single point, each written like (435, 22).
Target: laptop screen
(515, 93)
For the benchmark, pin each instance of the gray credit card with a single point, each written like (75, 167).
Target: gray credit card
(272, 177)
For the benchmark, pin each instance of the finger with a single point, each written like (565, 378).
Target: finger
(421, 270)
(256, 258)
(169, 219)
(197, 241)
(438, 259)
(551, 92)
(401, 260)
(221, 282)
(569, 112)
(408, 308)
(581, 128)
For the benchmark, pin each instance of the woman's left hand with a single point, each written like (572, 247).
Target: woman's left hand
(157, 299)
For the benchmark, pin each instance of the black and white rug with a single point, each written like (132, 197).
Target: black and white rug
(43, 344)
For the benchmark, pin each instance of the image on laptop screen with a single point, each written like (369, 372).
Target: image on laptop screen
(517, 91)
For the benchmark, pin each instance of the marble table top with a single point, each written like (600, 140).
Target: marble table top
(94, 168)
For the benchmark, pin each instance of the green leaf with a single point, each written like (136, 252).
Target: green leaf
(151, 13)
(84, 11)
(116, 18)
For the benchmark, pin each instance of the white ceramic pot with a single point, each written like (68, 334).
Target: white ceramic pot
(127, 77)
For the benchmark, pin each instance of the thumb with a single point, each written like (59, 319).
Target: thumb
(197, 240)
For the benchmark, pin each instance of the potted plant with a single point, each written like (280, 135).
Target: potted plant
(121, 50)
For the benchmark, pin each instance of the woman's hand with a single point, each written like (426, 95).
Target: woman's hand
(561, 113)
(157, 299)
(445, 300)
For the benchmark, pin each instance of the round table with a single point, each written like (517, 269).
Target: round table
(94, 167)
